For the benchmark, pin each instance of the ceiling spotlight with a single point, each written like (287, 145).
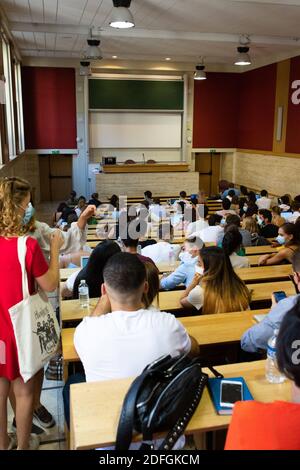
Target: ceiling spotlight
(114, 56)
(243, 57)
(168, 58)
(85, 69)
(121, 16)
(200, 74)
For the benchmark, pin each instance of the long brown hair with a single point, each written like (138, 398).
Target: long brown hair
(153, 283)
(13, 191)
(224, 291)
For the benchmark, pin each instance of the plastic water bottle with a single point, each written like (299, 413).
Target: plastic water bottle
(272, 373)
(83, 294)
(171, 257)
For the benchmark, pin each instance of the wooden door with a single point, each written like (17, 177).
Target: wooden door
(208, 167)
(55, 177)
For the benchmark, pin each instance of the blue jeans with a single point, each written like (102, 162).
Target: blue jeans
(73, 379)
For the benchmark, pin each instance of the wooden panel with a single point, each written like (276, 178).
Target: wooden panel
(205, 183)
(44, 178)
(61, 165)
(282, 99)
(60, 188)
(147, 168)
(203, 162)
(215, 177)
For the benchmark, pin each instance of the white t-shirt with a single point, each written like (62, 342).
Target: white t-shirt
(239, 261)
(71, 280)
(210, 234)
(196, 297)
(159, 253)
(121, 344)
(196, 227)
(264, 203)
(292, 219)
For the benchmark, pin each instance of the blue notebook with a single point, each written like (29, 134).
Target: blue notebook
(214, 386)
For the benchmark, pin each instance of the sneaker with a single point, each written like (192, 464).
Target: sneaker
(34, 442)
(34, 429)
(43, 417)
(12, 441)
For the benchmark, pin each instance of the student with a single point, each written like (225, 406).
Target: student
(211, 233)
(198, 222)
(185, 272)
(250, 209)
(14, 210)
(156, 211)
(72, 201)
(252, 197)
(218, 289)
(226, 208)
(285, 202)
(152, 278)
(57, 215)
(250, 224)
(235, 220)
(230, 188)
(243, 191)
(160, 252)
(104, 344)
(231, 194)
(256, 338)
(92, 273)
(289, 239)
(296, 212)
(267, 229)
(182, 198)
(276, 217)
(130, 245)
(232, 244)
(80, 206)
(148, 197)
(264, 202)
(235, 204)
(94, 201)
(223, 187)
(276, 425)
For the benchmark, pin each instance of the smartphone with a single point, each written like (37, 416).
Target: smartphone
(231, 392)
(279, 296)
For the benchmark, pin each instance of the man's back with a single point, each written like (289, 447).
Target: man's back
(121, 344)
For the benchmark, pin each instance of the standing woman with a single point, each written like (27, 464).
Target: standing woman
(14, 213)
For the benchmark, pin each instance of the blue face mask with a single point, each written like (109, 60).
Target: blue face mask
(280, 239)
(29, 213)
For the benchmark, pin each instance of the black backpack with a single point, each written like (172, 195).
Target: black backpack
(162, 399)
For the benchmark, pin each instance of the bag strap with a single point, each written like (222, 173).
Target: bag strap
(126, 422)
(22, 249)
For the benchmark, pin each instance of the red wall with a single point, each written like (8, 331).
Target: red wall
(292, 133)
(215, 111)
(257, 108)
(49, 101)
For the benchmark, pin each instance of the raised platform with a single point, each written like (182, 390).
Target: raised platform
(146, 168)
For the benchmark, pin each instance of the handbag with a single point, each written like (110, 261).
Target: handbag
(162, 399)
(35, 325)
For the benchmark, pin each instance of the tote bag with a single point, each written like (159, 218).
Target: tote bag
(35, 325)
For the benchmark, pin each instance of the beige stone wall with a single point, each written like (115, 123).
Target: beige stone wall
(27, 167)
(276, 174)
(134, 184)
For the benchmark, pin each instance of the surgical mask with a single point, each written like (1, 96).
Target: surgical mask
(199, 270)
(186, 257)
(260, 222)
(280, 239)
(223, 221)
(29, 213)
(245, 208)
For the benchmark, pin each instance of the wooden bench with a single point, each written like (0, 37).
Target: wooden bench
(96, 407)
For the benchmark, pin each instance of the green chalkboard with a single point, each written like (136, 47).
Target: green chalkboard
(136, 94)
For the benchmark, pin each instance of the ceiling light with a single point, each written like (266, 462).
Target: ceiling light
(121, 16)
(243, 57)
(85, 69)
(114, 56)
(200, 74)
(93, 51)
(168, 58)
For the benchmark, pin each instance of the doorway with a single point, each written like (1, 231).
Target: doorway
(208, 167)
(55, 177)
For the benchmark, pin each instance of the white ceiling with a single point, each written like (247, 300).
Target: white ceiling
(180, 29)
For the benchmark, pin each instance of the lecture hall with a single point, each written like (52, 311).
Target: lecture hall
(149, 226)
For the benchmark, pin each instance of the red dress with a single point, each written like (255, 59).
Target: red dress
(11, 294)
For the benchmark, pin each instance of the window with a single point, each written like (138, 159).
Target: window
(9, 99)
(20, 120)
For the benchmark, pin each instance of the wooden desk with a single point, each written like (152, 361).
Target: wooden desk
(265, 273)
(206, 329)
(170, 301)
(146, 168)
(259, 250)
(96, 407)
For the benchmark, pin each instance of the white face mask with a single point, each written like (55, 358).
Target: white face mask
(199, 270)
(185, 257)
(223, 221)
(245, 208)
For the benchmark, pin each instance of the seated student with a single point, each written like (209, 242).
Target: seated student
(231, 194)
(296, 212)
(267, 229)
(276, 217)
(250, 209)
(230, 188)
(235, 220)
(235, 204)
(156, 211)
(243, 191)
(130, 245)
(223, 186)
(148, 197)
(232, 244)
(289, 239)
(185, 272)
(93, 271)
(211, 233)
(182, 198)
(218, 289)
(81, 205)
(256, 338)
(57, 215)
(95, 200)
(250, 224)
(264, 202)
(72, 201)
(160, 252)
(276, 425)
(226, 208)
(285, 202)
(252, 197)
(121, 343)
(198, 220)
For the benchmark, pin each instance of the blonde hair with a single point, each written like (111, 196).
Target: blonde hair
(250, 224)
(13, 191)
